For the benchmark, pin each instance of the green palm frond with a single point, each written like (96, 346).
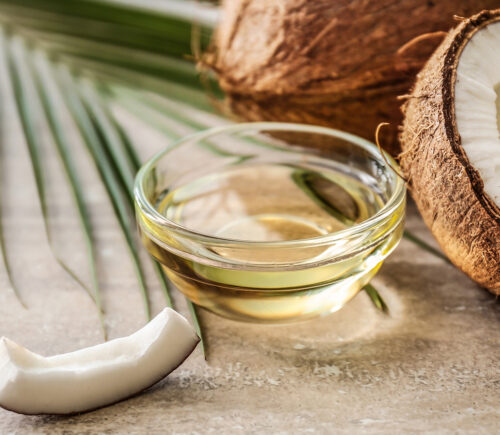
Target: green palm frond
(129, 150)
(376, 298)
(58, 51)
(12, 54)
(46, 92)
(90, 130)
(425, 246)
(152, 27)
(122, 154)
(83, 57)
(3, 249)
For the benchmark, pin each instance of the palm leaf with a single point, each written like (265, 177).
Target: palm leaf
(125, 46)
(376, 298)
(12, 53)
(129, 151)
(152, 27)
(3, 248)
(89, 129)
(89, 54)
(38, 69)
(95, 58)
(120, 150)
(424, 245)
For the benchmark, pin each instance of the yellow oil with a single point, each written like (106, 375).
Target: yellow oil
(271, 203)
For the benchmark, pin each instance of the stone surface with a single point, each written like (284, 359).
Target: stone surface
(431, 366)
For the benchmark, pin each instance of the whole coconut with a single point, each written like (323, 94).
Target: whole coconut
(451, 147)
(328, 62)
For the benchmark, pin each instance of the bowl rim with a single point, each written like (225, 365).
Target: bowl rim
(398, 195)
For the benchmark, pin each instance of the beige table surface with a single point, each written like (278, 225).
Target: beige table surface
(431, 366)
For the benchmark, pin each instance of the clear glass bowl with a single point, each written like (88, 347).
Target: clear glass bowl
(270, 222)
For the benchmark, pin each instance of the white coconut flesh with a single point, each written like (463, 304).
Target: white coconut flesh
(95, 376)
(477, 106)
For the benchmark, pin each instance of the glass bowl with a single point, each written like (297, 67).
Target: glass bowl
(270, 222)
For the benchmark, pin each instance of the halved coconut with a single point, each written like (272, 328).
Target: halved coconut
(451, 146)
(96, 376)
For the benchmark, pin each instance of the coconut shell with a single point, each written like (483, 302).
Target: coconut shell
(327, 62)
(447, 189)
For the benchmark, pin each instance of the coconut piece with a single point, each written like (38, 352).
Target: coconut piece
(451, 147)
(96, 376)
(328, 63)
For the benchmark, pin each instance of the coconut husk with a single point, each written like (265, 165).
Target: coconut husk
(326, 62)
(448, 190)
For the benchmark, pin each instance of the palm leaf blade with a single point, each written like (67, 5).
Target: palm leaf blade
(5, 258)
(130, 154)
(125, 160)
(424, 245)
(130, 55)
(376, 298)
(20, 84)
(87, 127)
(128, 149)
(38, 68)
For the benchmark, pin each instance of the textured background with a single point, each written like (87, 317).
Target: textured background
(431, 365)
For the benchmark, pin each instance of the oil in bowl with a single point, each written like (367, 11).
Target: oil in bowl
(250, 223)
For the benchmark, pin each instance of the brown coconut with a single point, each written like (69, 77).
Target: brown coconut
(448, 190)
(327, 62)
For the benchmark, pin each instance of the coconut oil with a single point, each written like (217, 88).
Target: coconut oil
(272, 203)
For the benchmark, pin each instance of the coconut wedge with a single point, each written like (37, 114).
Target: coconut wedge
(96, 376)
(451, 146)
